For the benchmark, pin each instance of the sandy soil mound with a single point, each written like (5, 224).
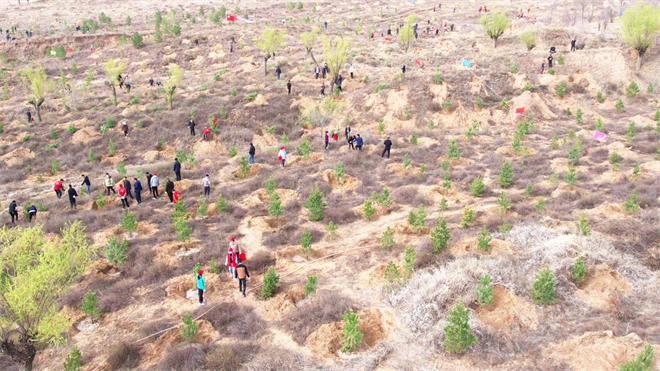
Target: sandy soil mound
(259, 101)
(597, 351)
(178, 286)
(400, 171)
(207, 148)
(154, 351)
(346, 184)
(534, 105)
(171, 251)
(85, 135)
(601, 287)
(508, 311)
(17, 156)
(468, 245)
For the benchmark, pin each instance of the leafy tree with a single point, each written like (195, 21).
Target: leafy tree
(310, 286)
(529, 39)
(339, 171)
(270, 281)
(579, 272)
(387, 241)
(73, 360)
(89, 306)
(270, 186)
(506, 175)
(303, 149)
(582, 226)
(632, 90)
(268, 42)
(384, 198)
(335, 51)
(540, 206)
(275, 208)
(503, 202)
(642, 362)
(407, 32)
(477, 187)
(458, 333)
(368, 209)
(128, 222)
(189, 328)
(315, 205)
(136, 40)
(36, 272)
(306, 242)
(618, 106)
(453, 151)
(244, 166)
(417, 218)
(115, 251)
(484, 291)
(468, 217)
(221, 204)
(495, 23)
(544, 288)
(202, 207)
(640, 25)
(113, 68)
(440, 235)
(631, 205)
(308, 39)
(391, 272)
(409, 257)
(351, 334)
(483, 241)
(173, 79)
(38, 86)
(560, 90)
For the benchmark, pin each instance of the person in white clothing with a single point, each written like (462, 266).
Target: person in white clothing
(351, 70)
(206, 182)
(282, 156)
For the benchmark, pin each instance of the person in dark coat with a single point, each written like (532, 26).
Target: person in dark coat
(288, 87)
(13, 211)
(137, 187)
(191, 125)
(251, 154)
(32, 213)
(278, 72)
(358, 143)
(127, 185)
(29, 116)
(87, 184)
(550, 59)
(169, 189)
(177, 169)
(72, 196)
(403, 69)
(151, 191)
(388, 146)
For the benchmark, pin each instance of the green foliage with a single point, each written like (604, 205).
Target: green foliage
(189, 328)
(304, 149)
(632, 90)
(503, 201)
(100, 200)
(315, 205)
(650, 88)
(351, 334)
(599, 97)
(505, 178)
(478, 102)
(409, 257)
(221, 204)
(579, 272)
(73, 360)
(614, 160)
(483, 241)
(512, 67)
(380, 87)
(447, 105)
(453, 151)
(128, 222)
(115, 251)
(232, 151)
(437, 78)
(270, 281)
(268, 42)
(528, 87)
(339, 171)
(582, 226)
(53, 133)
(540, 206)
(244, 166)
(214, 267)
(90, 306)
(406, 161)
(528, 191)
(111, 147)
(306, 242)
(251, 96)
(640, 25)
(552, 71)
(458, 333)
(642, 362)
(477, 187)
(387, 240)
(417, 218)
(544, 288)
(136, 40)
(560, 59)
(270, 186)
(275, 208)
(467, 218)
(570, 177)
(619, 106)
(443, 204)
(484, 292)
(440, 235)
(631, 205)
(578, 116)
(529, 39)
(574, 153)
(310, 286)
(631, 132)
(331, 228)
(504, 229)
(384, 198)
(599, 125)
(560, 90)
(134, 101)
(413, 138)
(407, 32)
(121, 169)
(53, 167)
(368, 209)
(636, 171)
(494, 23)
(391, 273)
(202, 207)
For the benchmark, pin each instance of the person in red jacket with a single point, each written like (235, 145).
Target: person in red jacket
(58, 188)
(206, 133)
(122, 194)
(176, 196)
(231, 261)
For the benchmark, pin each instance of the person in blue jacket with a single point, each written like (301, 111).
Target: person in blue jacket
(137, 187)
(177, 169)
(201, 289)
(358, 143)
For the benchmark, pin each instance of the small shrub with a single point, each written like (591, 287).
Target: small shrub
(540, 206)
(614, 160)
(642, 362)
(53, 167)
(478, 102)
(413, 138)
(571, 177)
(560, 60)
(560, 90)
(73, 360)
(632, 90)
(483, 241)
(512, 67)
(453, 151)
(270, 281)
(100, 200)
(115, 251)
(417, 218)
(650, 88)
(544, 288)
(331, 228)
(351, 334)
(484, 291)
(578, 116)
(552, 71)
(505, 178)
(387, 240)
(391, 273)
(384, 198)
(221, 204)
(232, 151)
(315, 205)
(503, 202)
(579, 272)
(619, 106)
(582, 226)
(468, 217)
(368, 209)
(189, 328)
(477, 187)
(440, 235)
(631, 205)
(251, 96)
(202, 207)
(128, 222)
(244, 166)
(306, 242)
(275, 208)
(90, 306)
(136, 40)
(339, 171)
(631, 132)
(409, 257)
(458, 333)
(599, 97)
(304, 149)
(310, 286)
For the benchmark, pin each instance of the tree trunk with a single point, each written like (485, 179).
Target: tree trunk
(494, 42)
(114, 94)
(37, 110)
(266, 66)
(312, 56)
(20, 350)
(639, 60)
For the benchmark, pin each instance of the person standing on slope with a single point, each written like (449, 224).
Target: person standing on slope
(58, 188)
(122, 196)
(251, 152)
(13, 211)
(191, 126)
(388, 146)
(231, 261)
(206, 183)
(177, 169)
(282, 156)
(201, 289)
(241, 273)
(127, 185)
(32, 213)
(169, 189)
(154, 183)
(72, 196)
(109, 185)
(137, 187)
(87, 184)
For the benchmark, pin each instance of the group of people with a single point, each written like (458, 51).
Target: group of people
(234, 261)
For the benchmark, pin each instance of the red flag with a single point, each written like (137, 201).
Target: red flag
(388, 38)
(417, 62)
(520, 110)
